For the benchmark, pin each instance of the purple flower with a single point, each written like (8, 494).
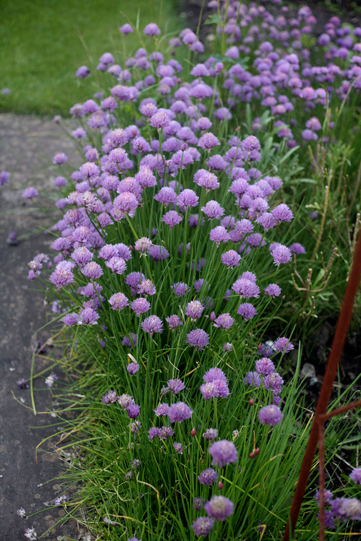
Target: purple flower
(131, 341)
(158, 253)
(223, 114)
(200, 70)
(194, 310)
(270, 415)
(146, 288)
(61, 277)
(166, 432)
(208, 476)
(176, 386)
(4, 177)
(70, 319)
(59, 182)
(180, 288)
(179, 412)
(282, 213)
(219, 508)
(88, 316)
(126, 29)
(203, 525)
(215, 389)
(60, 500)
(238, 188)
(161, 410)
(224, 321)
(172, 218)
(246, 288)
(208, 141)
(152, 324)
(219, 234)
(118, 301)
(153, 432)
(346, 508)
(110, 397)
(273, 290)
(246, 310)
(145, 178)
(159, 120)
(227, 347)
(214, 374)
(123, 252)
(217, 163)
(273, 382)
(198, 338)
(125, 400)
(140, 306)
(92, 270)
(213, 210)
(309, 135)
(327, 496)
(166, 196)
(251, 143)
(252, 379)
(223, 452)
(151, 30)
(142, 245)
(126, 202)
(206, 180)
(230, 259)
(82, 72)
(82, 256)
(173, 322)
(355, 476)
(281, 254)
(187, 198)
(116, 265)
(133, 411)
(267, 221)
(29, 193)
(178, 448)
(132, 368)
(22, 383)
(59, 159)
(283, 345)
(265, 367)
(210, 434)
(297, 248)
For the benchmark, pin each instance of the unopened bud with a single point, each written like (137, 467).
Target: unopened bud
(251, 401)
(251, 455)
(220, 485)
(193, 432)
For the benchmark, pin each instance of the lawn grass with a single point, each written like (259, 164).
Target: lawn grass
(42, 45)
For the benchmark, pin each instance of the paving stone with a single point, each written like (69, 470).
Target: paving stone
(27, 145)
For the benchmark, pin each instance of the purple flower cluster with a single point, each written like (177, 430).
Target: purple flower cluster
(174, 189)
(216, 384)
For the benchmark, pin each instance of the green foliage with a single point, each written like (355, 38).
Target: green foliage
(43, 43)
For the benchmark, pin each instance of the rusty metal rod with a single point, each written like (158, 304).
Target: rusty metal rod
(338, 343)
(321, 451)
